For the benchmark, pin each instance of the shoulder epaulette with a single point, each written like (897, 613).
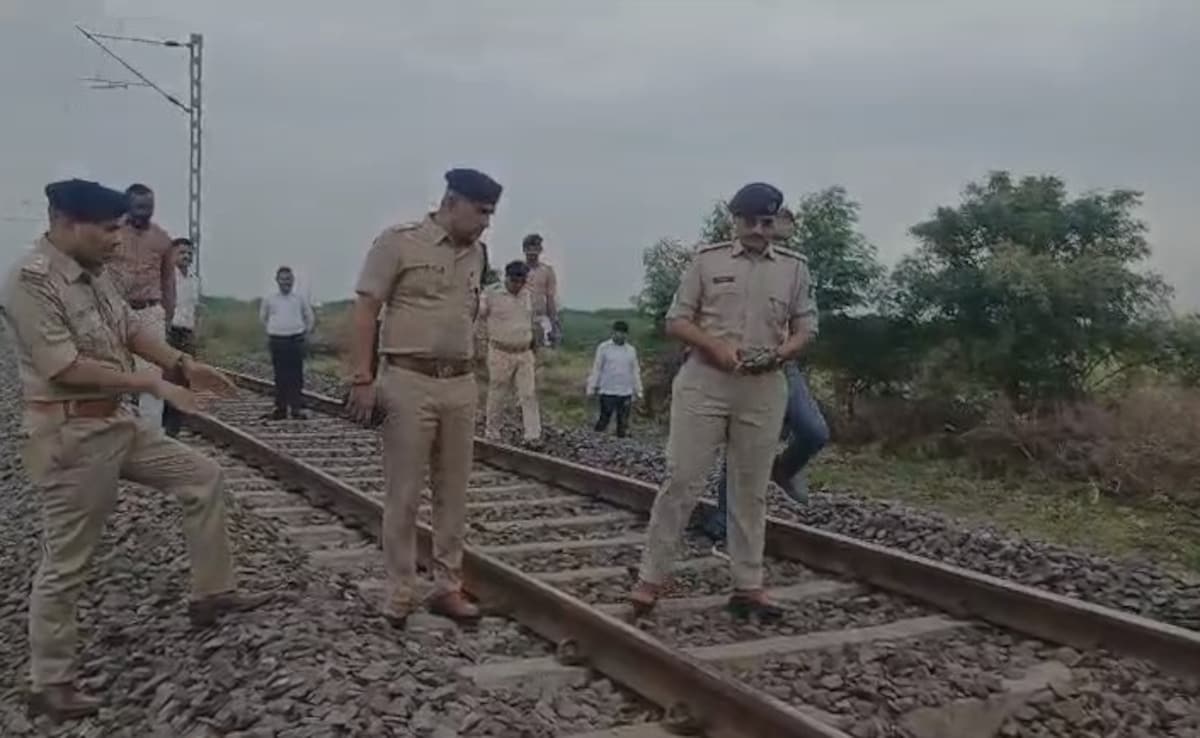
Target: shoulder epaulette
(714, 246)
(403, 227)
(791, 253)
(36, 267)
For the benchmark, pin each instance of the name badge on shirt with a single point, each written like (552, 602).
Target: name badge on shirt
(724, 280)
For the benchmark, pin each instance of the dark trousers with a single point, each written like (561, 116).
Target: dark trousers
(618, 404)
(185, 341)
(287, 358)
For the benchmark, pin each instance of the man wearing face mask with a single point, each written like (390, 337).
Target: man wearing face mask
(425, 276)
(76, 339)
(745, 308)
(143, 268)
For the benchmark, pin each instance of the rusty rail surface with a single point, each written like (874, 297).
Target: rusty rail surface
(959, 591)
(685, 687)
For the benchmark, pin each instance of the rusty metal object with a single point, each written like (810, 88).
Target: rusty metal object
(959, 591)
(757, 361)
(661, 674)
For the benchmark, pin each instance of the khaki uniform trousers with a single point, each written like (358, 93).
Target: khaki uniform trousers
(75, 464)
(430, 426)
(709, 409)
(150, 408)
(506, 368)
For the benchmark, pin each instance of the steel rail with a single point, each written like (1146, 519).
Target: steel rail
(690, 691)
(959, 591)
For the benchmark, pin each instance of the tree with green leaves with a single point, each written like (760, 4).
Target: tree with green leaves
(843, 263)
(1035, 289)
(664, 263)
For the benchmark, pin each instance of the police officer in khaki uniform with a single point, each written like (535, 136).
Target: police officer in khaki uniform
(426, 276)
(76, 340)
(508, 310)
(744, 308)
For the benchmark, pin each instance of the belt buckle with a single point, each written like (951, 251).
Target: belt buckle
(442, 370)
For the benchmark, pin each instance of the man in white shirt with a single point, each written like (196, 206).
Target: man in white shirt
(181, 332)
(616, 377)
(508, 310)
(288, 319)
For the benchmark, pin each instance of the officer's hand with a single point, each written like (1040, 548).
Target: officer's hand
(180, 398)
(724, 355)
(146, 380)
(204, 378)
(361, 405)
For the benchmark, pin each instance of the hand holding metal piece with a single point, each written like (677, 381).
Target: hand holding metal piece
(757, 361)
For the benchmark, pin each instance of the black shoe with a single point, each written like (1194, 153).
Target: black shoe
(748, 604)
(205, 611)
(795, 487)
(62, 702)
(299, 415)
(275, 415)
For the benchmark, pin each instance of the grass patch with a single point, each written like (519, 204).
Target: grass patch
(1070, 514)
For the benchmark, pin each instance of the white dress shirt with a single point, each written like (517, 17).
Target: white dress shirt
(187, 294)
(286, 315)
(615, 371)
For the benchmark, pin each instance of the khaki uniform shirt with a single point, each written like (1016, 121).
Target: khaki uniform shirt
(543, 288)
(509, 316)
(429, 287)
(749, 300)
(142, 267)
(60, 313)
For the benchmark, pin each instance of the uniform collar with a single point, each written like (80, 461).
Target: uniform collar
(59, 261)
(767, 253)
(432, 232)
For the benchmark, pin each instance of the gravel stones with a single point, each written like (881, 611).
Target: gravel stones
(911, 688)
(319, 662)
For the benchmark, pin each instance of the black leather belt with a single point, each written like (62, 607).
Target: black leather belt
(143, 304)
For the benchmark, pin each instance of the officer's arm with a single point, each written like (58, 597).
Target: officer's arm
(375, 281)
(40, 321)
(597, 366)
(149, 345)
(167, 277)
(802, 323)
(484, 306)
(681, 323)
(552, 295)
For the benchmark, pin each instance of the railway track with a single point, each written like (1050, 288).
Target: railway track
(874, 642)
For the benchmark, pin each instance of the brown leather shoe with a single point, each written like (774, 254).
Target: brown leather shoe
(205, 611)
(62, 702)
(644, 597)
(454, 605)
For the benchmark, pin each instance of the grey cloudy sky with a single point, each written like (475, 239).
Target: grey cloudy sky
(610, 123)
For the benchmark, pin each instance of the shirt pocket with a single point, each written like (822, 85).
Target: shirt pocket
(91, 336)
(779, 307)
(425, 279)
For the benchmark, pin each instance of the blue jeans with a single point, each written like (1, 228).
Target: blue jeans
(807, 434)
